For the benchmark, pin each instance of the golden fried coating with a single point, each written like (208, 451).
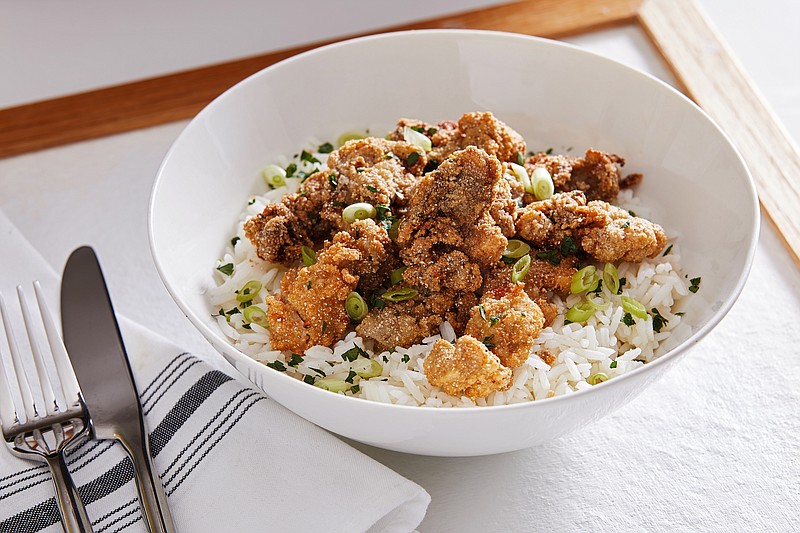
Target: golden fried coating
(310, 308)
(398, 324)
(467, 200)
(509, 322)
(545, 224)
(277, 234)
(597, 173)
(623, 238)
(451, 270)
(481, 130)
(466, 369)
(542, 278)
(376, 171)
(378, 254)
(602, 230)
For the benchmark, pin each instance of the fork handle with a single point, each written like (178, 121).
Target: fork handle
(73, 514)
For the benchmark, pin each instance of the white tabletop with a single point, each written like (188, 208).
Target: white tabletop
(711, 447)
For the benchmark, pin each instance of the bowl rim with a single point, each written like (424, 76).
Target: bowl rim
(216, 339)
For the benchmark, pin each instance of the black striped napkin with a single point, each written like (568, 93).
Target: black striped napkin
(230, 458)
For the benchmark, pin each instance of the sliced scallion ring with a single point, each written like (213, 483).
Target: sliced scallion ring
(309, 255)
(347, 136)
(332, 384)
(629, 305)
(356, 306)
(367, 368)
(542, 184)
(400, 295)
(596, 379)
(416, 138)
(359, 211)
(522, 176)
(396, 276)
(248, 291)
(581, 311)
(611, 278)
(274, 176)
(516, 249)
(520, 268)
(584, 279)
(256, 315)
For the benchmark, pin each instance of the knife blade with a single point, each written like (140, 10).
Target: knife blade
(95, 346)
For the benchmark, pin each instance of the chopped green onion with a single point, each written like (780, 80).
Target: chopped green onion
(332, 384)
(522, 176)
(367, 368)
(399, 295)
(256, 315)
(542, 184)
(359, 211)
(274, 176)
(520, 268)
(595, 379)
(396, 275)
(356, 306)
(249, 290)
(611, 278)
(516, 248)
(309, 255)
(584, 279)
(633, 307)
(581, 311)
(347, 136)
(416, 138)
(277, 365)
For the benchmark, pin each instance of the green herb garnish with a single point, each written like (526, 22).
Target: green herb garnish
(227, 269)
(277, 365)
(412, 158)
(694, 284)
(325, 148)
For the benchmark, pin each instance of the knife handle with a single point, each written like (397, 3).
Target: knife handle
(151, 492)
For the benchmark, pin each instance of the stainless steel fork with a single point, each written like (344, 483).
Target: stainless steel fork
(40, 422)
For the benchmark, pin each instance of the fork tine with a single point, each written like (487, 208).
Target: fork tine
(28, 410)
(8, 409)
(42, 372)
(69, 383)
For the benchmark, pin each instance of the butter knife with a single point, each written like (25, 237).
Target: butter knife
(94, 343)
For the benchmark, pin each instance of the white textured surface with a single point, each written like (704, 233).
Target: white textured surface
(712, 447)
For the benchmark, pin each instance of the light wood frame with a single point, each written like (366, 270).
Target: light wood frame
(700, 61)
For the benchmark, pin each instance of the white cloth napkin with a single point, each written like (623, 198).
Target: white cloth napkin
(230, 458)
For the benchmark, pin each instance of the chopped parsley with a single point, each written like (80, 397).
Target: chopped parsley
(235, 240)
(370, 188)
(252, 201)
(568, 246)
(324, 327)
(431, 166)
(290, 170)
(325, 148)
(318, 371)
(412, 159)
(376, 302)
(658, 320)
(353, 353)
(226, 269)
(332, 179)
(306, 156)
(631, 212)
(308, 285)
(350, 376)
(597, 289)
(488, 341)
(551, 256)
(385, 359)
(309, 379)
(622, 282)
(668, 250)
(482, 311)
(694, 284)
(405, 358)
(628, 320)
(613, 364)
(277, 365)
(495, 319)
(354, 389)
(295, 360)
(549, 151)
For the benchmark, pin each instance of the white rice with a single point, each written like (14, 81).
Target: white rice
(603, 344)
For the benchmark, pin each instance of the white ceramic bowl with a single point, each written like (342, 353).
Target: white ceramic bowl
(555, 95)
